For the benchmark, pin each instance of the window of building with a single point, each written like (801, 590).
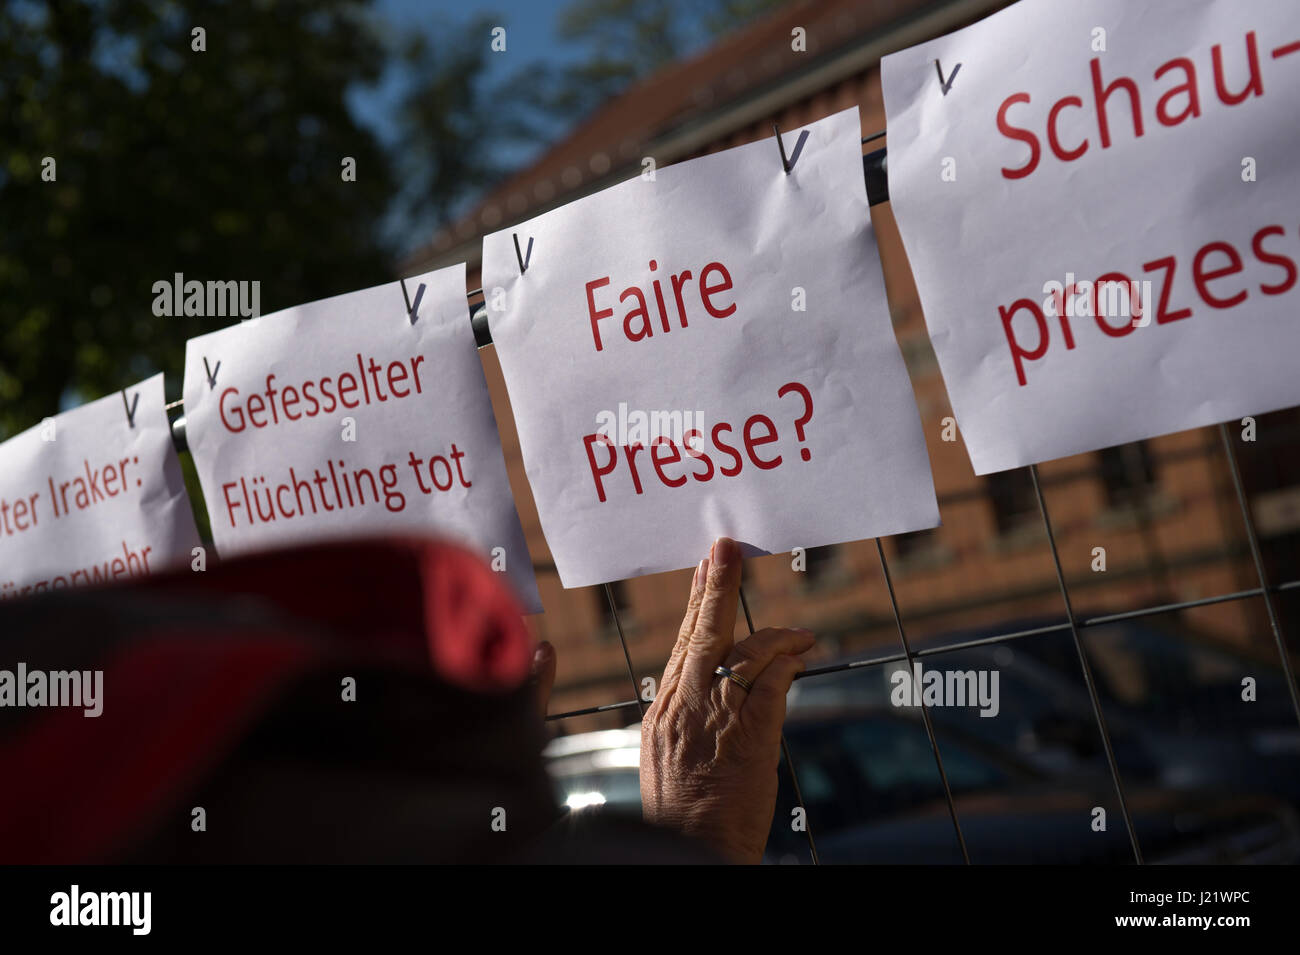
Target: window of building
(1011, 494)
(820, 564)
(915, 543)
(1127, 472)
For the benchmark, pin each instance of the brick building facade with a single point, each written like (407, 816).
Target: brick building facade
(1164, 510)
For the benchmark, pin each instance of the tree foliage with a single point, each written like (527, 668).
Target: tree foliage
(622, 41)
(225, 164)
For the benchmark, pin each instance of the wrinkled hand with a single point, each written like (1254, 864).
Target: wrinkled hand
(709, 750)
(543, 675)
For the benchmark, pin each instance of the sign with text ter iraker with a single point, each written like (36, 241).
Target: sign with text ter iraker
(93, 496)
(1105, 227)
(706, 350)
(354, 416)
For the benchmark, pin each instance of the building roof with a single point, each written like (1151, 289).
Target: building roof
(685, 107)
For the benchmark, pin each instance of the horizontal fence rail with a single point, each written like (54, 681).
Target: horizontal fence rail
(1063, 627)
(875, 173)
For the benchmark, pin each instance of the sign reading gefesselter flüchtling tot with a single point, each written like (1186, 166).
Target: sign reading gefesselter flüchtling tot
(354, 416)
(93, 496)
(707, 350)
(1100, 201)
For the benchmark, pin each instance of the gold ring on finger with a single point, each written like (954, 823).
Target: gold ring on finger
(734, 677)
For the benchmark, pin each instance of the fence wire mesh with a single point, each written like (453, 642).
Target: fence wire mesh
(1071, 623)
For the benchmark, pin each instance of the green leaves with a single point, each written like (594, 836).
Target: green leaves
(221, 164)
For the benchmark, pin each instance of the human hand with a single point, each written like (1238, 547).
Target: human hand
(710, 750)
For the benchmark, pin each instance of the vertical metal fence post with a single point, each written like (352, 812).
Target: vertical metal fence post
(1255, 554)
(631, 674)
(925, 710)
(1087, 670)
(785, 751)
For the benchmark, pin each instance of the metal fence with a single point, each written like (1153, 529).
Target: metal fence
(1071, 623)
(875, 173)
(875, 168)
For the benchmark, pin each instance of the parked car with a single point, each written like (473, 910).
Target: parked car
(871, 794)
(1172, 702)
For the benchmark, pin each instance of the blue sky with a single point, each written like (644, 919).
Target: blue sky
(530, 37)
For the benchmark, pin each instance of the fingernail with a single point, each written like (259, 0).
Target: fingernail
(723, 551)
(544, 650)
(701, 572)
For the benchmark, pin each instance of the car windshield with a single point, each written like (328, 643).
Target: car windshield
(852, 766)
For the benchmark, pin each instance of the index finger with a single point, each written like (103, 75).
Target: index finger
(715, 626)
(673, 671)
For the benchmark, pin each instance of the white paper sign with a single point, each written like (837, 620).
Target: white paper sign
(1076, 158)
(709, 352)
(348, 417)
(93, 496)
